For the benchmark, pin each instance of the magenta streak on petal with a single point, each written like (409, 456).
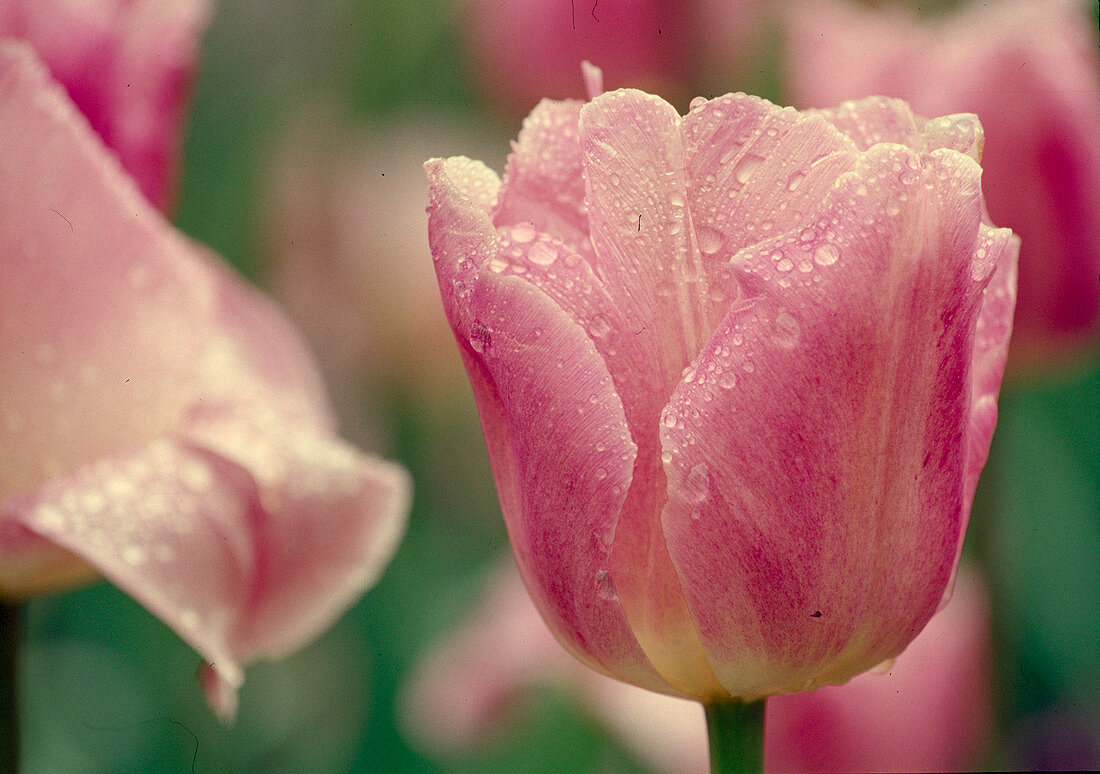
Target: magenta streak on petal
(811, 467)
(557, 438)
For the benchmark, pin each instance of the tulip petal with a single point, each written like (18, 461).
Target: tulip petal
(873, 120)
(754, 170)
(772, 507)
(648, 260)
(1029, 69)
(541, 387)
(543, 185)
(146, 313)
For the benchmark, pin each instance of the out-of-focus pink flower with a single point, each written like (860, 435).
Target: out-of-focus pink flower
(524, 50)
(1029, 69)
(727, 37)
(128, 65)
(737, 373)
(160, 422)
(345, 252)
(929, 712)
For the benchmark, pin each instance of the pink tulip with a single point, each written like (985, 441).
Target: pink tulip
(160, 422)
(929, 712)
(737, 374)
(523, 50)
(1029, 69)
(127, 64)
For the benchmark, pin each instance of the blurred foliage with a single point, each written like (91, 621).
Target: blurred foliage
(110, 689)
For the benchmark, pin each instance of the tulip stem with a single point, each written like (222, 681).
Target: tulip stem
(735, 732)
(11, 619)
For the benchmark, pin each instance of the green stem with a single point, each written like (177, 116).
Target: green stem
(11, 619)
(735, 732)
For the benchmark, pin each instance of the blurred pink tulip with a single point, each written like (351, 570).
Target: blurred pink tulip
(128, 65)
(160, 422)
(737, 373)
(930, 712)
(345, 255)
(1030, 70)
(524, 50)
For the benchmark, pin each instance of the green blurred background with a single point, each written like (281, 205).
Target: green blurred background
(108, 688)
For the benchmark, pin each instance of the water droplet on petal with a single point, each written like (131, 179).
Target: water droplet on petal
(600, 326)
(826, 255)
(697, 485)
(746, 167)
(787, 330)
(710, 239)
(523, 233)
(727, 380)
(605, 586)
(480, 337)
(542, 254)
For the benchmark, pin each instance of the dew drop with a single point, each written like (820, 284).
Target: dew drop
(727, 380)
(542, 254)
(785, 264)
(480, 337)
(605, 586)
(133, 554)
(600, 326)
(523, 233)
(826, 255)
(746, 167)
(697, 484)
(600, 474)
(786, 330)
(710, 239)
(796, 180)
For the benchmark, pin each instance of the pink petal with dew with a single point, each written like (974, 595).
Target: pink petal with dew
(128, 66)
(195, 465)
(543, 183)
(541, 388)
(105, 312)
(754, 170)
(802, 431)
(648, 261)
(1030, 70)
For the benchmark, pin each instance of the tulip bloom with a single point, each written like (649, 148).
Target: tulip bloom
(160, 422)
(128, 65)
(1029, 69)
(737, 373)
